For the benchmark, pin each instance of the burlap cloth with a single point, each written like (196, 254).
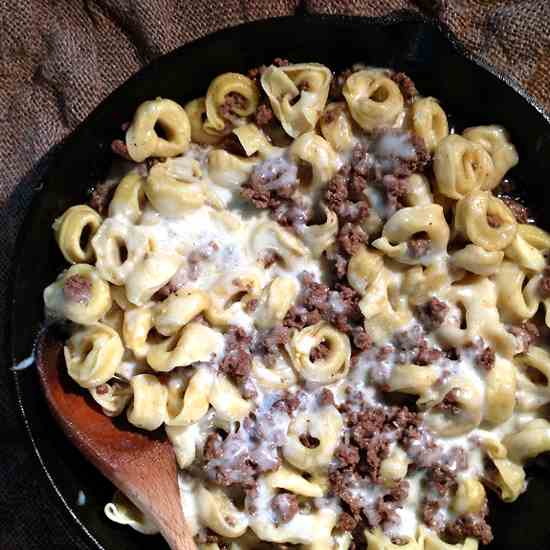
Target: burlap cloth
(59, 59)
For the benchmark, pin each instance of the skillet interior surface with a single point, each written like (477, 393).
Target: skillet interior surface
(402, 41)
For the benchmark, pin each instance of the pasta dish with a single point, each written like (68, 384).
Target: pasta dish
(326, 297)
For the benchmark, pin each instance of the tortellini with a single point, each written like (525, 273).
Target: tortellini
(74, 231)
(461, 166)
(219, 513)
(325, 370)
(148, 407)
(494, 139)
(172, 194)
(275, 301)
(501, 392)
(485, 221)
(229, 170)
(271, 237)
(179, 309)
(408, 223)
(187, 405)
(93, 354)
(429, 121)
(468, 400)
(308, 83)
(195, 342)
(196, 112)
(119, 248)
(373, 99)
(242, 89)
(129, 198)
(142, 137)
(336, 127)
(79, 295)
(476, 259)
(319, 238)
(529, 442)
(312, 149)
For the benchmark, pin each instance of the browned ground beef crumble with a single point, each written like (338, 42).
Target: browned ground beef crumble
(77, 289)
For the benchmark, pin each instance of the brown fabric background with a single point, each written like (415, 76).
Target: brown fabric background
(60, 58)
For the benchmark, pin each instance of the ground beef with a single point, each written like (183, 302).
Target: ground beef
(386, 505)
(348, 455)
(525, 334)
(427, 355)
(317, 302)
(544, 285)
(493, 221)
(251, 450)
(206, 536)
(299, 317)
(270, 184)
(263, 115)
(268, 258)
(385, 161)
(281, 62)
(248, 387)
(101, 197)
(346, 522)
(176, 282)
(292, 213)
(406, 85)
(237, 360)
(232, 101)
(285, 506)
(326, 397)
(361, 339)
(102, 389)
(486, 359)
(357, 462)
(320, 352)
(469, 525)
(77, 288)
(309, 441)
(289, 403)
(430, 509)
(268, 342)
(350, 238)
(251, 305)
(396, 190)
(371, 430)
(118, 147)
(450, 403)
(432, 313)
(213, 446)
(411, 346)
(418, 246)
(337, 191)
(442, 479)
(339, 262)
(521, 213)
(314, 295)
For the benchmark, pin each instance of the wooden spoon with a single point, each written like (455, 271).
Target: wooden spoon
(138, 464)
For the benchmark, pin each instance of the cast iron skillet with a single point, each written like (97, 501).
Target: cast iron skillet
(407, 42)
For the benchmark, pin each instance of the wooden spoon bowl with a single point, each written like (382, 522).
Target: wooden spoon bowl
(140, 464)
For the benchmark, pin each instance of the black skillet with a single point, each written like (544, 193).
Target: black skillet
(470, 90)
